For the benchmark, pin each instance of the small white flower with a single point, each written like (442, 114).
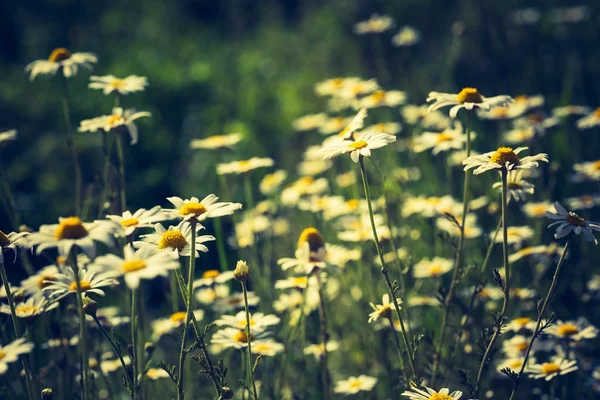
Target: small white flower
(468, 98)
(355, 384)
(142, 218)
(90, 281)
(213, 276)
(429, 394)
(407, 36)
(518, 324)
(548, 370)
(375, 24)
(33, 306)
(452, 138)
(175, 241)
(8, 135)
(570, 222)
(383, 310)
(11, 352)
(110, 83)
(259, 322)
(360, 147)
(518, 187)
(200, 210)
(63, 60)
(163, 326)
(572, 330)
(504, 158)
(245, 166)
(268, 348)
(236, 338)
(435, 267)
(589, 121)
(317, 350)
(217, 141)
(118, 118)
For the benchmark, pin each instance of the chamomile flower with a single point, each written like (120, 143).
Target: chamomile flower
(61, 60)
(518, 187)
(432, 268)
(8, 135)
(566, 111)
(72, 232)
(317, 350)
(236, 338)
(375, 24)
(259, 322)
(356, 123)
(589, 121)
(143, 264)
(536, 209)
(504, 158)
(217, 141)
(332, 86)
(430, 394)
(32, 307)
(522, 323)
(407, 36)
(570, 222)
(271, 182)
(586, 201)
(448, 225)
(11, 352)
(119, 118)
(549, 370)
(452, 138)
(309, 122)
(156, 373)
(515, 363)
(209, 295)
(383, 310)
(516, 346)
(299, 282)
(355, 384)
(545, 252)
(38, 281)
(304, 186)
(245, 166)
(212, 276)
(122, 86)
(10, 242)
(142, 218)
(586, 171)
(175, 241)
(516, 235)
(268, 348)
(519, 135)
(382, 98)
(90, 281)
(208, 207)
(311, 253)
(572, 330)
(468, 98)
(163, 326)
(360, 147)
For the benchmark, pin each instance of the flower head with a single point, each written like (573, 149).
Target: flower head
(32, 307)
(118, 118)
(383, 310)
(200, 210)
(90, 281)
(375, 24)
(11, 352)
(110, 83)
(175, 241)
(355, 384)
(570, 222)
(430, 394)
(244, 166)
(62, 60)
(505, 158)
(518, 187)
(142, 218)
(242, 272)
(468, 98)
(555, 367)
(217, 141)
(360, 147)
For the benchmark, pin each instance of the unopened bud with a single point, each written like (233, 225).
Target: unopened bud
(89, 306)
(47, 394)
(226, 392)
(241, 272)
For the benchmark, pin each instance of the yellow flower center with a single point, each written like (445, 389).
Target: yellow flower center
(575, 219)
(192, 208)
(360, 144)
(85, 286)
(133, 265)
(499, 112)
(115, 120)
(378, 96)
(469, 95)
(300, 280)
(173, 239)
(130, 222)
(354, 383)
(313, 237)
(306, 180)
(117, 84)
(597, 112)
(41, 281)
(4, 240)
(352, 204)
(440, 396)
(25, 309)
(435, 270)
(61, 260)
(550, 368)
(242, 324)
(241, 337)
(70, 228)
(211, 274)
(444, 137)
(2, 354)
(567, 330)
(523, 320)
(245, 164)
(522, 346)
(505, 155)
(337, 82)
(535, 118)
(59, 54)
(178, 316)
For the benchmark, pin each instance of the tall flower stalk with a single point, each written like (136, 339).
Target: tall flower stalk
(71, 145)
(134, 350)
(82, 327)
(325, 335)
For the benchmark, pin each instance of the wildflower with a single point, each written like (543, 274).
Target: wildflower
(271, 182)
(217, 141)
(407, 36)
(90, 281)
(32, 307)
(435, 267)
(538, 121)
(72, 232)
(360, 147)
(355, 384)
(515, 363)
(234, 302)
(518, 324)
(143, 264)
(175, 240)
(544, 251)
(418, 301)
(333, 86)
(516, 346)
(110, 83)
(259, 322)
(450, 139)
(586, 171)
(317, 350)
(236, 338)
(503, 158)
(200, 210)
(375, 24)
(268, 348)
(213, 276)
(430, 394)
(570, 222)
(38, 281)
(211, 294)
(518, 187)
(163, 326)
(449, 225)
(519, 135)
(381, 98)
(142, 218)
(557, 366)
(309, 122)
(241, 272)
(245, 166)
(302, 187)
(468, 98)
(355, 124)
(516, 235)
(118, 118)
(586, 201)
(572, 330)
(383, 310)
(589, 121)
(569, 110)
(292, 282)
(156, 373)
(10, 242)
(8, 135)
(11, 352)
(62, 60)
(536, 209)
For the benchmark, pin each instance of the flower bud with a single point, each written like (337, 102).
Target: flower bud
(89, 306)
(226, 392)
(241, 272)
(47, 394)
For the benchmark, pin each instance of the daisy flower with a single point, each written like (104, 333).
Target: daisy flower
(163, 326)
(110, 83)
(258, 321)
(381, 98)
(309, 122)
(268, 348)
(407, 36)
(271, 182)
(516, 346)
(516, 235)
(217, 141)
(375, 24)
(360, 147)
(332, 86)
(355, 384)
(89, 281)
(430, 394)
(200, 210)
(536, 209)
(519, 135)
(518, 324)
(299, 282)
(557, 366)
(419, 301)
(32, 307)
(210, 294)
(10, 242)
(572, 330)
(515, 363)
(8, 135)
(213, 276)
(586, 171)
(355, 124)
(503, 158)
(72, 232)
(62, 60)
(118, 118)
(236, 338)
(586, 201)
(245, 166)
(156, 373)
(472, 230)
(589, 121)
(36, 283)
(518, 187)
(311, 253)
(383, 310)
(452, 138)
(175, 241)
(468, 98)
(566, 111)
(142, 218)
(317, 350)
(11, 352)
(570, 222)
(544, 251)
(336, 125)
(433, 268)
(143, 264)
(235, 302)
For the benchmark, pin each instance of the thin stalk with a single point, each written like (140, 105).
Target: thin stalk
(82, 327)
(457, 264)
(506, 288)
(541, 313)
(220, 244)
(121, 156)
(398, 347)
(107, 144)
(134, 352)
(15, 321)
(325, 335)
(384, 269)
(249, 340)
(190, 295)
(72, 148)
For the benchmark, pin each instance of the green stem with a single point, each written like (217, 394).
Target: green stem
(72, 148)
(121, 156)
(134, 352)
(399, 348)
(107, 144)
(15, 321)
(541, 313)
(190, 293)
(384, 269)
(249, 340)
(82, 327)
(220, 244)
(325, 335)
